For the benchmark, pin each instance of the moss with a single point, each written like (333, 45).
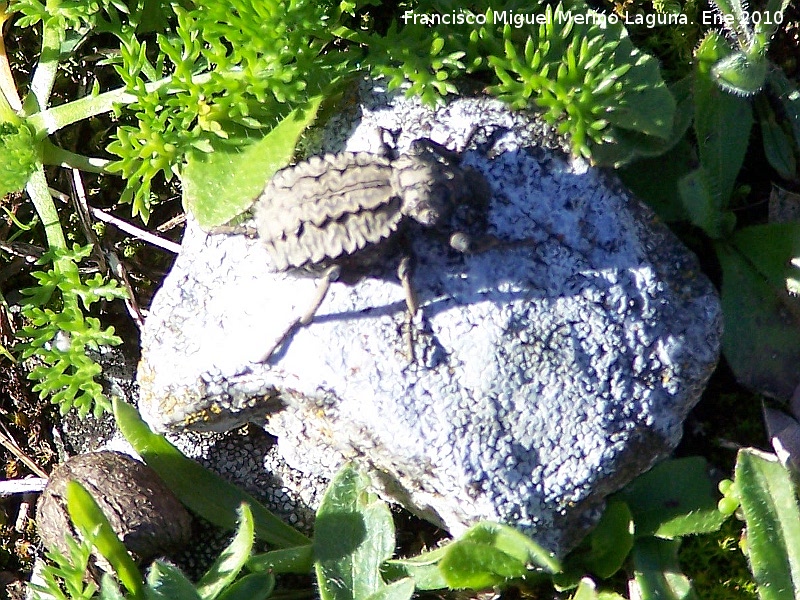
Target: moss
(716, 565)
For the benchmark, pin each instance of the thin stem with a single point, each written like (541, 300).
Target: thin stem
(45, 74)
(143, 235)
(40, 195)
(8, 89)
(53, 119)
(55, 155)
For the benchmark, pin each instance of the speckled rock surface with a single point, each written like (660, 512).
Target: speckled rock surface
(550, 371)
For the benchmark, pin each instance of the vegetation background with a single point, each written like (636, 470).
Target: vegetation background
(110, 110)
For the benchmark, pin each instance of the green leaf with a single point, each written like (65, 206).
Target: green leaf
(470, 565)
(93, 525)
(769, 505)
(199, 489)
(629, 145)
(742, 74)
(674, 498)
(353, 536)
(255, 586)
(168, 582)
(399, 590)
(657, 573)
(19, 158)
(423, 568)
(491, 554)
(611, 541)
(761, 341)
(299, 559)
(649, 107)
(220, 185)
(778, 144)
(722, 124)
(228, 564)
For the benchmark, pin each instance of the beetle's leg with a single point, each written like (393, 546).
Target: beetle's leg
(331, 274)
(404, 270)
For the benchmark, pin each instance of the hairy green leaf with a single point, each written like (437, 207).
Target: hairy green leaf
(767, 495)
(353, 536)
(673, 499)
(760, 340)
(220, 185)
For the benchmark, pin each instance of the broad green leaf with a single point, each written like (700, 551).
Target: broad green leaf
(168, 582)
(226, 568)
(219, 185)
(761, 340)
(674, 498)
(657, 573)
(769, 504)
(611, 541)
(630, 145)
(475, 566)
(93, 524)
(512, 542)
(353, 536)
(255, 586)
(649, 108)
(299, 559)
(202, 491)
(778, 145)
(491, 554)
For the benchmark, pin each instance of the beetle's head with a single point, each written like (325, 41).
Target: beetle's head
(430, 181)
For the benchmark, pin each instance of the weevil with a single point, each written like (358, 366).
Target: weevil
(338, 215)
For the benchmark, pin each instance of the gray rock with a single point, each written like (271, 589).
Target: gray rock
(549, 373)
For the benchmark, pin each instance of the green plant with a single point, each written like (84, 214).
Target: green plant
(223, 580)
(351, 552)
(64, 577)
(641, 532)
(582, 75)
(766, 497)
(733, 85)
(60, 337)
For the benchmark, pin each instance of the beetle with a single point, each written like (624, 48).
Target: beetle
(338, 215)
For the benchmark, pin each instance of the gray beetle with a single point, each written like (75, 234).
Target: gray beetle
(336, 215)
